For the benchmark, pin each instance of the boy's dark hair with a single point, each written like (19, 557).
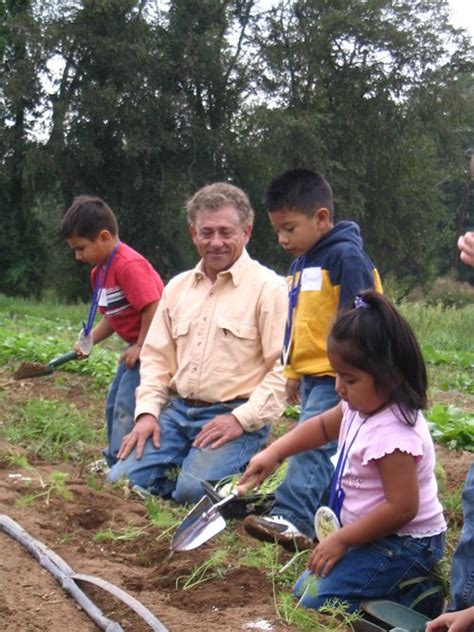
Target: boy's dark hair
(87, 216)
(300, 190)
(375, 338)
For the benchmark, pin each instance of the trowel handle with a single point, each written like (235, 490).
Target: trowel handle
(247, 486)
(62, 359)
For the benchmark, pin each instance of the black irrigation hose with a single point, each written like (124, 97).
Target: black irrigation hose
(65, 575)
(127, 599)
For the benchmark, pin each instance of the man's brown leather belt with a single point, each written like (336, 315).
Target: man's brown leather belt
(197, 403)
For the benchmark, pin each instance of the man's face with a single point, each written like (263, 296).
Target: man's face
(219, 238)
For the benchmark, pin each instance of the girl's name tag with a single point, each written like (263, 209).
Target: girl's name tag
(85, 342)
(325, 523)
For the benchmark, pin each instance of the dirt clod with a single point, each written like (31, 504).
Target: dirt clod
(29, 369)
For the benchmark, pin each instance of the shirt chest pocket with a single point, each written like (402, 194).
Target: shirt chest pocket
(236, 346)
(180, 333)
(179, 329)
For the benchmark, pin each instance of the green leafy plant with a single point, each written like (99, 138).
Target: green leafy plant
(27, 334)
(452, 426)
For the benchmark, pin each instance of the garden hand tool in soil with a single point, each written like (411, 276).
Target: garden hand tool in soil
(35, 369)
(241, 506)
(204, 521)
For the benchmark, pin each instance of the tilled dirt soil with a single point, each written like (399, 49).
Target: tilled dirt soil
(31, 599)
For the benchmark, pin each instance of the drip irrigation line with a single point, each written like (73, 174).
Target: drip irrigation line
(66, 576)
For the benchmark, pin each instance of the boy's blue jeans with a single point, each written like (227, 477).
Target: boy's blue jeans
(375, 571)
(176, 468)
(120, 408)
(462, 570)
(309, 473)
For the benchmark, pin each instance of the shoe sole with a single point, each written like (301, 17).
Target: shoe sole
(293, 545)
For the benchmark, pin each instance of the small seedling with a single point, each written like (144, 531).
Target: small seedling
(120, 535)
(213, 567)
(57, 486)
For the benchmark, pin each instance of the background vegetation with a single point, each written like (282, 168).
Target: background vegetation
(142, 102)
(39, 331)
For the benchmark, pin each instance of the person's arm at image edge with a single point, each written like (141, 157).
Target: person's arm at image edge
(461, 621)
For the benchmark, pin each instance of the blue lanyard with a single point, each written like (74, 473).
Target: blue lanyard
(98, 287)
(298, 265)
(336, 493)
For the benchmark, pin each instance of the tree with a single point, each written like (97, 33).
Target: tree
(22, 255)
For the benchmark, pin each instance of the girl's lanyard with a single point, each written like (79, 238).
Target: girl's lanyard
(296, 279)
(85, 339)
(336, 493)
(327, 520)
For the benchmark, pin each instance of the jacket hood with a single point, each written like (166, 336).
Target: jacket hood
(343, 232)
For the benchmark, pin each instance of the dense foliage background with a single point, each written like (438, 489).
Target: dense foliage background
(141, 102)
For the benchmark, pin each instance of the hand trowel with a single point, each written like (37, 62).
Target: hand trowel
(34, 369)
(204, 521)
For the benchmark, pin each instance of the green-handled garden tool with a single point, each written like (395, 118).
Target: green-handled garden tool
(35, 369)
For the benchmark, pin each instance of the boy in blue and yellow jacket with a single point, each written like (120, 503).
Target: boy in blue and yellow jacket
(330, 268)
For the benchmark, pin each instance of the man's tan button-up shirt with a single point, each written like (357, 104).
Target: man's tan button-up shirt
(218, 342)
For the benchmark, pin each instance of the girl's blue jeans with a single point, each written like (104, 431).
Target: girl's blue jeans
(177, 468)
(120, 409)
(375, 571)
(309, 473)
(462, 570)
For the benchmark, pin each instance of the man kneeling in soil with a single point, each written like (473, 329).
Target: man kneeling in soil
(210, 375)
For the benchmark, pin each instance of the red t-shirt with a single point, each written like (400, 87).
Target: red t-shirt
(131, 284)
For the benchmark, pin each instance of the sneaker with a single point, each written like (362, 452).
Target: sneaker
(277, 529)
(99, 467)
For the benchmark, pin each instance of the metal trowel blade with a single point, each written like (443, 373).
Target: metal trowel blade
(199, 526)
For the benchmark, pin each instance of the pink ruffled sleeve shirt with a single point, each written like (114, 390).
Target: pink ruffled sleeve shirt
(378, 436)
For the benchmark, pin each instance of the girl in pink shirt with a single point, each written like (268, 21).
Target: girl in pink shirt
(384, 524)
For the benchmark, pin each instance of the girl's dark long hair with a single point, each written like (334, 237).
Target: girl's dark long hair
(375, 338)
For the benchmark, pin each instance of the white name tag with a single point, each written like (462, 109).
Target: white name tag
(312, 279)
(325, 523)
(334, 459)
(103, 298)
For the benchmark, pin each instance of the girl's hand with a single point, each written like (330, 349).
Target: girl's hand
(260, 466)
(292, 391)
(326, 554)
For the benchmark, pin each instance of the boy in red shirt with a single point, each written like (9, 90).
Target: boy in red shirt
(127, 290)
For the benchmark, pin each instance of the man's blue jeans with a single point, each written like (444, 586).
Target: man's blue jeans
(120, 408)
(462, 570)
(376, 571)
(177, 468)
(309, 473)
